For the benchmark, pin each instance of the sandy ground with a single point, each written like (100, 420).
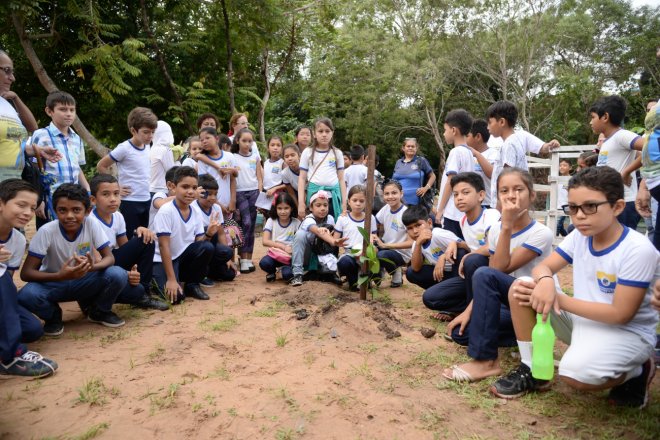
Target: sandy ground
(241, 366)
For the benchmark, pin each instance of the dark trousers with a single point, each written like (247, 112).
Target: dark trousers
(349, 267)
(453, 226)
(630, 217)
(133, 252)
(191, 266)
(490, 325)
(424, 277)
(655, 193)
(16, 323)
(246, 205)
(451, 295)
(395, 260)
(218, 269)
(270, 265)
(98, 289)
(560, 226)
(135, 214)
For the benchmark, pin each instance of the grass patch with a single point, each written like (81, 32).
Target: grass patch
(92, 432)
(157, 353)
(220, 372)
(93, 392)
(271, 310)
(221, 326)
(281, 339)
(117, 335)
(167, 400)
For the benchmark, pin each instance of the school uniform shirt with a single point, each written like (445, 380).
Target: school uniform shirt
(15, 244)
(13, 135)
(630, 261)
(51, 245)
(67, 169)
(247, 171)
(532, 143)
(273, 173)
(347, 226)
(226, 160)
(310, 221)
(460, 160)
(437, 245)
(512, 154)
(290, 177)
(189, 162)
(205, 215)
(282, 233)
(132, 164)
(394, 231)
(152, 208)
(355, 175)
(490, 154)
(326, 175)
(617, 152)
(116, 228)
(562, 195)
(535, 237)
(161, 160)
(475, 233)
(411, 175)
(182, 231)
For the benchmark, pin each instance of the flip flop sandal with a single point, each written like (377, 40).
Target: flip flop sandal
(443, 316)
(459, 375)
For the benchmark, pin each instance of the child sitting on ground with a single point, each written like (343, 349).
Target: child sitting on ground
(221, 267)
(394, 245)
(450, 297)
(279, 231)
(183, 251)
(135, 255)
(427, 263)
(313, 226)
(18, 201)
(609, 323)
(347, 226)
(61, 265)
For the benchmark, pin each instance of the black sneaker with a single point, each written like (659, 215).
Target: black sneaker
(29, 364)
(195, 291)
(518, 383)
(108, 319)
(297, 280)
(148, 302)
(208, 282)
(54, 326)
(270, 277)
(634, 393)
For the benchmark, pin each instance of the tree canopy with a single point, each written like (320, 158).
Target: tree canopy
(381, 69)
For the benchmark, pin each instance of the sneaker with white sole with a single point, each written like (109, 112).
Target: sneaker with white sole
(29, 364)
(397, 278)
(518, 383)
(297, 280)
(108, 319)
(245, 266)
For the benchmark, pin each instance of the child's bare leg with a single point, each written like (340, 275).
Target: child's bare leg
(523, 316)
(474, 370)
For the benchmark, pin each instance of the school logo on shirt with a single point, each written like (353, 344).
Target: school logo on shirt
(395, 226)
(602, 158)
(84, 248)
(481, 238)
(332, 163)
(253, 164)
(606, 282)
(436, 252)
(275, 170)
(288, 237)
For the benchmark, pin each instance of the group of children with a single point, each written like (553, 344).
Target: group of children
(120, 240)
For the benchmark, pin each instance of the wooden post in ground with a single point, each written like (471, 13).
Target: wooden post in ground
(371, 193)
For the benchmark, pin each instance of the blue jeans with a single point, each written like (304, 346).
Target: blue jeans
(16, 323)
(133, 252)
(424, 277)
(490, 324)
(190, 267)
(98, 289)
(655, 194)
(396, 260)
(349, 267)
(135, 214)
(451, 295)
(218, 269)
(302, 248)
(269, 265)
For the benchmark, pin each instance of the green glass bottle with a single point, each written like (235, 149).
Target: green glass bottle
(543, 343)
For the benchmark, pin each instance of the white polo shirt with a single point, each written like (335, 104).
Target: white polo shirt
(152, 208)
(310, 221)
(205, 216)
(355, 175)
(290, 177)
(535, 237)
(347, 226)
(437, 245)
(226, 160)
(247, 171)
(475, 233)
(617, 152)
(327, 169)
(16, 245)
(394, 231)
(132, 165)
(491, 155)
(282, 233)
(273, 173)
(116, 228)
(182, 231)
(460, 160)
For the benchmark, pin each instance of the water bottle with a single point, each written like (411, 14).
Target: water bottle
(543, 343)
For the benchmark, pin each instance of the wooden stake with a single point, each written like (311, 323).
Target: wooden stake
(371, 194)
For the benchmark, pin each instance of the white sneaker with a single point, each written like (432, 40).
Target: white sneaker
(397, 278)
(245, 266)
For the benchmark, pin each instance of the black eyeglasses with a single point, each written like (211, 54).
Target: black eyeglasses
(9, 71)
(587, 208)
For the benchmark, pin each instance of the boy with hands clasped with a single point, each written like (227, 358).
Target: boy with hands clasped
(609, 323)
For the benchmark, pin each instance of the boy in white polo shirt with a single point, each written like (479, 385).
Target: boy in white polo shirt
(619, 149)
(61, 265)
(133, 163)
(18, 201)
(609, 322)
(183, 251)
(457, 126)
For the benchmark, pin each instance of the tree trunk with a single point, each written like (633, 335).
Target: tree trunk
(50, 86)
(163, 68)
(265, 98)
(230, 63)
(432, 121)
